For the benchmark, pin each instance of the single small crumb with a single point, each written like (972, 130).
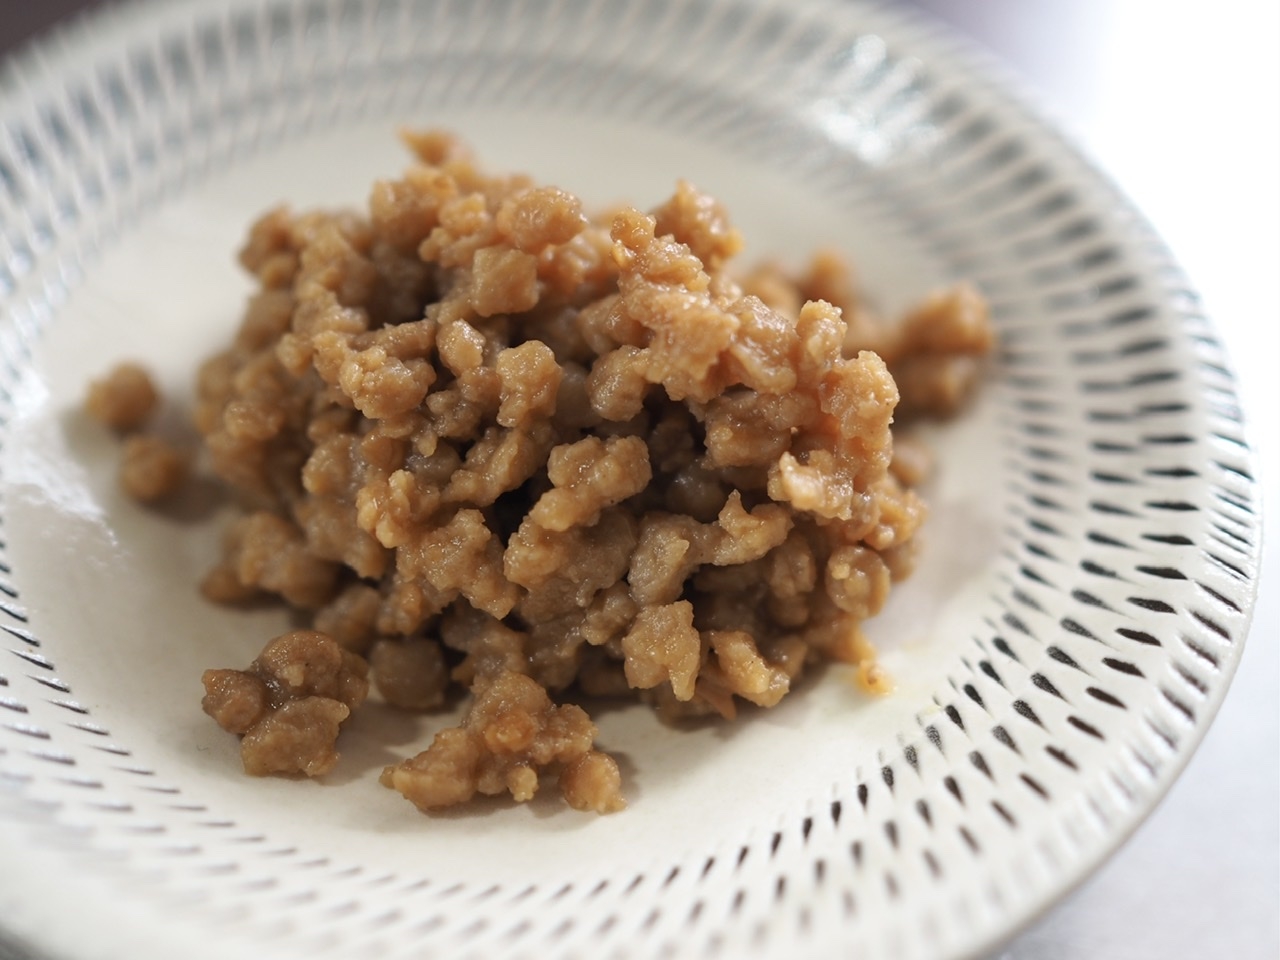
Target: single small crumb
(289, 705)
(593, 783)
(913, 460)
(873, 678)
(151, 469)
(123, 399)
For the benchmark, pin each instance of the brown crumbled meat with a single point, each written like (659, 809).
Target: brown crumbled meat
(593, 783)
(510, 733)
(701, 223)
(935, 384)
(410, 673)
(502, 446)
(123, 399)
(935, 351)
(857, 580)
(297, 737)
(872, 677)
(742, 670)
(912, 462)
(351, 617)
(588, 476)
(236, 699)
(289, 704)
(662, 646)
(151, 469)
(265, 552)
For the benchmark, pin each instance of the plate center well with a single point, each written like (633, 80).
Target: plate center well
(111, 587)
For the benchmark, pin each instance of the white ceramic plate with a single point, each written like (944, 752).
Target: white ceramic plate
(1091, 554)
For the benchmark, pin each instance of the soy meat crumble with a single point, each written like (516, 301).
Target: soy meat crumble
(484, 441)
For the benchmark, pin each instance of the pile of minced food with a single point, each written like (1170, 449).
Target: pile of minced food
(485, 442)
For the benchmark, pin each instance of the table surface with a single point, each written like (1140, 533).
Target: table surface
(1186, 120)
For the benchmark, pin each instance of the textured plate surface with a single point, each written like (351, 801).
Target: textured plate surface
(1091, 551)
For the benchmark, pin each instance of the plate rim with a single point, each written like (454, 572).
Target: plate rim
(44, 58)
